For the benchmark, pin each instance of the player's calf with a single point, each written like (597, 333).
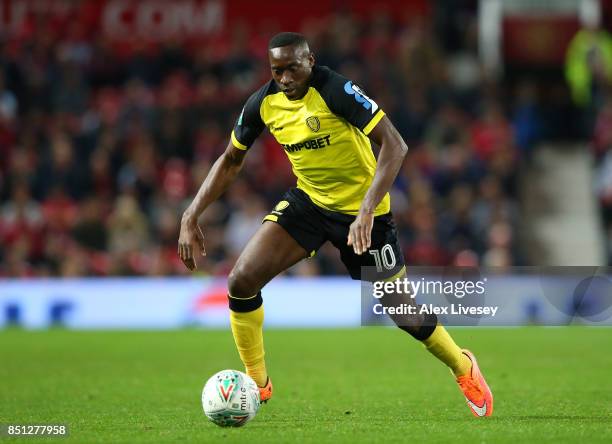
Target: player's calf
(246, 320)
(419, 326)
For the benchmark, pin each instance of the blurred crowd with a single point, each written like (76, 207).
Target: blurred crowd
(589, 74)
(101, 150)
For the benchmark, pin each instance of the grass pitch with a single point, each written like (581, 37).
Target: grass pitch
(365, 385)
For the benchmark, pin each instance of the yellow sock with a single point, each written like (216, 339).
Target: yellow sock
(441, 345)
(247, 329)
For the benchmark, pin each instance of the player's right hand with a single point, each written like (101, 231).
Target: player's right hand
(191, 239)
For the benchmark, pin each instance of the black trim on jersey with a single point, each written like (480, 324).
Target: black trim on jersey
(336, 90)
(249, 124)
(341, 98)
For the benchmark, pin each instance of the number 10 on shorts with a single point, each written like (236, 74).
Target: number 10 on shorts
(385, 257)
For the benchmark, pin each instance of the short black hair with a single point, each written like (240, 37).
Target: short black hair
(287, 39)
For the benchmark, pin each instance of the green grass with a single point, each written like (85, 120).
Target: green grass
(366, 385)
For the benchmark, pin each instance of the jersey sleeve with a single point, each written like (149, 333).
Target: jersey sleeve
(249, 124)
(349, 101)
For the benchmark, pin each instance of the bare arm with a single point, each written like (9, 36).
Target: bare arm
(393, 149)
(220, 176)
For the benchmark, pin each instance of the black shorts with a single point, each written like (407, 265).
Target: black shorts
(311, 226)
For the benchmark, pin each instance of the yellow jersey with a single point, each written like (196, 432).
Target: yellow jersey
(325, 137)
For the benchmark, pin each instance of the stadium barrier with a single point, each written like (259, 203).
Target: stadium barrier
(168, 303)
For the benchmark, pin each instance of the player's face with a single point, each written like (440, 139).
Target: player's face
(291, 68)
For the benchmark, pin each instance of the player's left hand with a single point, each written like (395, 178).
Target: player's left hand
(360, 232)
(191, 238)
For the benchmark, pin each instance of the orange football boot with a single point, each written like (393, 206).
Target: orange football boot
(475, 389)
(265, 393)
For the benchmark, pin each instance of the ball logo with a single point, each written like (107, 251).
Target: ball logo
(226, 387)
(313, 123)
(360, 97)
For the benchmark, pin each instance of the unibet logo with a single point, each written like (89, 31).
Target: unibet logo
(360, 96)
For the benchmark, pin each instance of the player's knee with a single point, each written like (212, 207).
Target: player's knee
(240, 285)
(243, 296)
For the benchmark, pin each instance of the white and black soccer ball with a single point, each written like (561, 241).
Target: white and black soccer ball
(230, 398)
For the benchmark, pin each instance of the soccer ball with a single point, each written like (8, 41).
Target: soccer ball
(230, 398)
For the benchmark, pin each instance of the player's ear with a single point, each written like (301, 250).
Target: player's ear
(311, 59)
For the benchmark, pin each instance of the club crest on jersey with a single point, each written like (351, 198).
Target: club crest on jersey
(360, 97)
(313, 123)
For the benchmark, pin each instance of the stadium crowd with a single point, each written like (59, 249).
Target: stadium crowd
(101, 149)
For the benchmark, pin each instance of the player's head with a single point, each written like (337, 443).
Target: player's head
(291, 63)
